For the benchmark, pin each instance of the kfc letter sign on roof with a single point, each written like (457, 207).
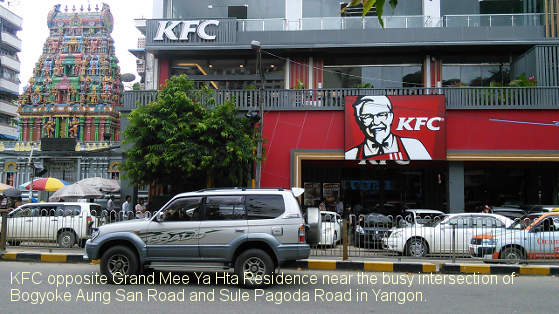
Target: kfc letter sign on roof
(395, 128)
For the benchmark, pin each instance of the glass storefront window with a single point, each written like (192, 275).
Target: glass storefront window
(373, 76)
(457, 75)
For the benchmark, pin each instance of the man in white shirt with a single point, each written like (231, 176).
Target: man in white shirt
(374, 116)
(126, 208)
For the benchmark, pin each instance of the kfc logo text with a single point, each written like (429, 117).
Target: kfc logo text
(415, 124)
(196, 26)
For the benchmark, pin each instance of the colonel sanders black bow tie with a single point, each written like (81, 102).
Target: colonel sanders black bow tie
(380, 147)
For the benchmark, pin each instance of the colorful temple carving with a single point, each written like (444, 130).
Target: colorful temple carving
(76, 82)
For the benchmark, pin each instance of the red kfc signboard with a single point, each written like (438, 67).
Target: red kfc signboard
(395, 128)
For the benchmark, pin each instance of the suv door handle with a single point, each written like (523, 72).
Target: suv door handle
(29, 220)
(240, 230)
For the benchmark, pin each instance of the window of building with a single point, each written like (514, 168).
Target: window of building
(475, 74)
(237, 11)
(264, 206)
(373, 76)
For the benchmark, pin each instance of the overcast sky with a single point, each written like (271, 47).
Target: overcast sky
(35, 30)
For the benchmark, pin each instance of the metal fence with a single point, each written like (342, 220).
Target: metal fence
(487, 237)
(334, 98)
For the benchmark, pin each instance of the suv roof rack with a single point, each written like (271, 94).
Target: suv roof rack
(239, 188)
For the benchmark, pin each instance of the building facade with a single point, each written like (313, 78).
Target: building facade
(10, 46)
(468, 91)
(69, 123)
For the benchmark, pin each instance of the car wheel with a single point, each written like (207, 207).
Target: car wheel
(253, 263)
(118, 262)
(416, 247)
(66, 239)
(512, 255)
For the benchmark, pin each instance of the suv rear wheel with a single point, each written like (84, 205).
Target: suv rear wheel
(253, 264)
(117, 262)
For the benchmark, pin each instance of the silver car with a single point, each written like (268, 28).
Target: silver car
(251, 230)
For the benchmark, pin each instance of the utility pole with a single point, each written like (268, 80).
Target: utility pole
(255, 45)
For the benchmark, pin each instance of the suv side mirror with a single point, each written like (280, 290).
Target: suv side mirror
(160, 217)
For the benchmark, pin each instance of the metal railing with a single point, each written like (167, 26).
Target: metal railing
(334, 98)
(390, 21)
(480, 237)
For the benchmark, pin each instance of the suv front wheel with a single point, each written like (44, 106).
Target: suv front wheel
(117, 262)
(252, 266)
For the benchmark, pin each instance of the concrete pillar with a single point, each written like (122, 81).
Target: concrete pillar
(456, 186)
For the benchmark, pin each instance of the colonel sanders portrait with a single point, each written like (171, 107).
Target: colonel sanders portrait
(374, 115)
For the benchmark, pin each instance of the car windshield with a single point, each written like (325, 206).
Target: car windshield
(523, 222)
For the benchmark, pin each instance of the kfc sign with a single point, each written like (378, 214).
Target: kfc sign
(395, 128)
(167, 29)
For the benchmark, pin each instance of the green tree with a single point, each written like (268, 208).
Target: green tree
(368, 5)
(186, 141)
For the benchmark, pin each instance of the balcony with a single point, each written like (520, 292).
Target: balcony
(11, 17)
(9, 86)
(371, 22)
(10, 63)
(334, 99)
(11, 40)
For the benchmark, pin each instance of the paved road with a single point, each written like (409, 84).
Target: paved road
(410, 293)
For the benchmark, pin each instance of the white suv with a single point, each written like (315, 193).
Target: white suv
(64, 223)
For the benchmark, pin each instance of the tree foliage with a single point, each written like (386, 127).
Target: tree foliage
(368, 5)
(184, 140)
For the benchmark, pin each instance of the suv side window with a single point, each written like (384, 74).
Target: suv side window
(184, 209)
(96, 210)
(47, 211)
(264, 206)
(461, 221)
(488, 222)
(225, 208)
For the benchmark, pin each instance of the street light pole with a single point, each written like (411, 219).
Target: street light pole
(255, 45)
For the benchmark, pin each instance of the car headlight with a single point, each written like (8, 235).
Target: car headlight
(488, 242)
(94, 234)
(396, 234)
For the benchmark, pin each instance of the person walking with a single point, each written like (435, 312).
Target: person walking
(126, 208)
(140, 209)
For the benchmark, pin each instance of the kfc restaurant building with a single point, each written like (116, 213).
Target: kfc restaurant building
(383, 118)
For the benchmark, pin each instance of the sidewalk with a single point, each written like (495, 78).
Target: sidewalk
(361, 263)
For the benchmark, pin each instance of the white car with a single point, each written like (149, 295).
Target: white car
(331, 228)
(64, 223)
(437, 236)
(419, 216)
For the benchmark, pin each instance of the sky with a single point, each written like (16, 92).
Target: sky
(35, 30)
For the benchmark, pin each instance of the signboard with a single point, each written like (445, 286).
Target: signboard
(58, 144)
(162, 33)
(395, 128)
(312, 194)
(331, 192)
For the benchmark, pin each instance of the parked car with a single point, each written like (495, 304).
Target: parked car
(331, 228)
(65, 223)
(419, 216)
(252, 231)
(371, 229)
(512, 213)
(534, 237)
(437, 236)
(541, 208)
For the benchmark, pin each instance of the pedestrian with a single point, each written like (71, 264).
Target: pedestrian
(486, 209)
(126, 208)
(322, 206)
(110, 203)
(140, 209)
(340, 207)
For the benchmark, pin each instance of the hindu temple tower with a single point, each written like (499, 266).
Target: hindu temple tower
(76, 82)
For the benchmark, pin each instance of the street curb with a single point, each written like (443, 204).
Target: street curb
(364, 266)
(43, 257)
(499, 269)
(415, 267)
